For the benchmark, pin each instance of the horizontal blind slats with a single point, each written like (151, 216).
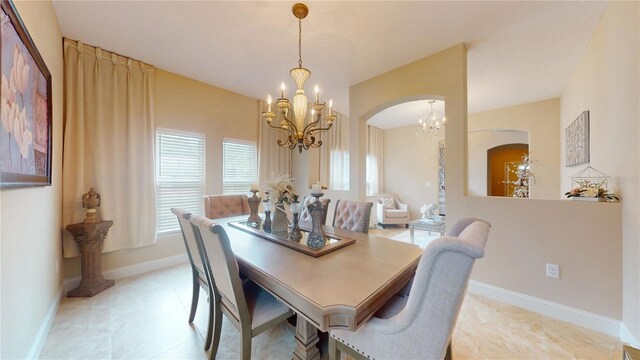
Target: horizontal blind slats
(239, 169)
(180, 176)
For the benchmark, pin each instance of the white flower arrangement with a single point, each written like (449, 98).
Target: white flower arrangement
(281, 189)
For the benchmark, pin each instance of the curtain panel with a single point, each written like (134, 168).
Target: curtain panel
(109, 144)
(273, 159)
(334, 155)
(375, 156)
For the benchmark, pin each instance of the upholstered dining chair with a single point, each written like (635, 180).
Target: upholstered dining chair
(420, 325)
(221, 206)
(352, 215)
(304, 218)
(199, 276)
(248, 307)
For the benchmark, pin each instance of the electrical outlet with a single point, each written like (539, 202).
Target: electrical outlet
(553, 271)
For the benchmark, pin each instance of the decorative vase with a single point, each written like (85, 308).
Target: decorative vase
(295, 234)
(316, 239)
(254, 203)
(280, 222)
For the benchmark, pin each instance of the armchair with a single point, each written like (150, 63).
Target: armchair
(390, 211)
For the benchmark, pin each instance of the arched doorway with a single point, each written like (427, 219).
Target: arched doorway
(502, 161)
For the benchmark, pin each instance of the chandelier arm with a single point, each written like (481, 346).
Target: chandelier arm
(309, 127)
(292, 126)
(313, 131)
(278, 128)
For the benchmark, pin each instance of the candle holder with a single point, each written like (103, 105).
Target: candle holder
(254, 204)
(267, 214)
(317, 239)
(295, 234)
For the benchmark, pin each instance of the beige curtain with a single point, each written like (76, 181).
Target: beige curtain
(273, 159)
(108, 144)
(375, 155)
(334, 155)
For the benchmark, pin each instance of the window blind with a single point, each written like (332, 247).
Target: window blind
(180, 176)
(240, 167)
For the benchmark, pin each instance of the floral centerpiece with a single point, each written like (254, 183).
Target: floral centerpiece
(590, 189)
(281, 191)
(281, 188)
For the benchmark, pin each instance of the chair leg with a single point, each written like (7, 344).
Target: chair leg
(194, 298)
(449, 354)
(217, 328)
(406, 226)
(334, 352)
(245, 346)
(210, 323)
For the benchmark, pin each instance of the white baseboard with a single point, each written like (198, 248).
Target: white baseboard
(627, 337)
(125, 271)
(571, 315)
(41, 335)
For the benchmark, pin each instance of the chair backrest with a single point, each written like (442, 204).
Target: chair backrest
(222, 267)
(190, 241)
(352, 215)
(393, 196)
(305, 215)
(220, 206)
(438, 289)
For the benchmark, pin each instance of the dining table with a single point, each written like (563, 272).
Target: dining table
(340, 289)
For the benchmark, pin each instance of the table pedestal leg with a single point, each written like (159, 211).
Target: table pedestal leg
(306, 341)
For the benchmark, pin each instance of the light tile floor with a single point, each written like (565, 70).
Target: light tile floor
(145, 317)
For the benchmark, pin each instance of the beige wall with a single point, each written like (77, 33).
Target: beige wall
(186, 104)
(606, 82)
(542, 120)
(405, 153)
(30, 217)
(584, 239)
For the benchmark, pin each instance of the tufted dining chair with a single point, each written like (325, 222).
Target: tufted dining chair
(352, 215)
(199, 278)
(221, 206)
(305, 216)
(420, 324)
(246, 305)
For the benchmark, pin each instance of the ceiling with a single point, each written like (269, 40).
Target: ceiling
(518, 52)
(405, 114)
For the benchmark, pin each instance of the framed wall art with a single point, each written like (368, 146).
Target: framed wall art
(576, 137)
(25, 134)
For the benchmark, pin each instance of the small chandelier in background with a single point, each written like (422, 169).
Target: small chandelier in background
(298, 134)
(430, 122)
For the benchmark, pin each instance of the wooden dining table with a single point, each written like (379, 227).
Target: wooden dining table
(338, 290)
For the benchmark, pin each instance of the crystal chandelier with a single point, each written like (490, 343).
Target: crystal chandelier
(430, 122)
(298, 134)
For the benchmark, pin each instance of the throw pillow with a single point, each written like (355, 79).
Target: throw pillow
(388, 203)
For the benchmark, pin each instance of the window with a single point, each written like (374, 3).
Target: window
(239, 165)
(180, 170)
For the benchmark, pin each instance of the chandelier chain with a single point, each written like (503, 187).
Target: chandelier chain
(300, 43)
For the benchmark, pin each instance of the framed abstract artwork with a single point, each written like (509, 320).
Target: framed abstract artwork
(25, 134)
(576, 137)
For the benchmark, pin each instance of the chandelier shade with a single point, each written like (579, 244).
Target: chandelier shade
(298, 133)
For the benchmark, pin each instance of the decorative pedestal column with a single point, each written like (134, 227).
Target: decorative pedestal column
(90, 237)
